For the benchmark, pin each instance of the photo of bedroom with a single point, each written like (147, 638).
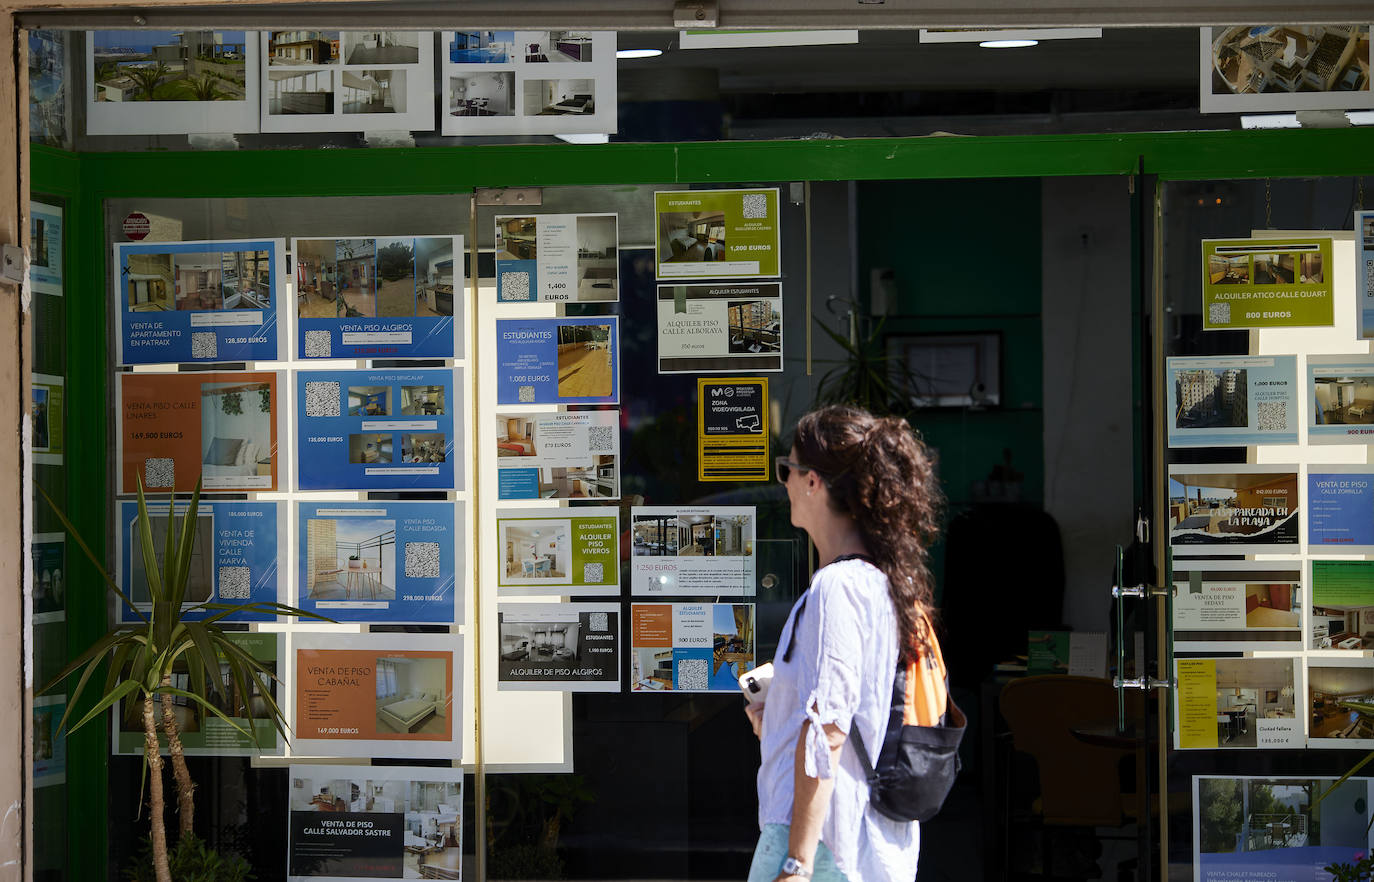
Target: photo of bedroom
(412, 696)
(1224, 270)
(381, 47)
(481, 47)
(369, 401)
(559, 97)
(350, 558)
(1341, 701)
(200, 580)
(732, 642)
(536, 549)
(434, 276)
(374, 91)
(539, 47)
(547, 647)
(755, 326)
(368, 448)
(1343, 627)
(396, 277)
(422, 401)
(478, 93)
(235, 430)
(294, 93)
(514, 436)
(1346, 399)
(423, 448)
(597, 260)
(149, 282)
(317, 292)
(1272, 606)
(691, 236)
(585, 363)
(1249, 689)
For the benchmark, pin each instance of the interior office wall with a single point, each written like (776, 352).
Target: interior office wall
(1086, 321)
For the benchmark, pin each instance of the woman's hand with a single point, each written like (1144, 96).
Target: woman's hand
(754, 711)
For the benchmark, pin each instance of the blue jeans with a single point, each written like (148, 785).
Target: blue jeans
(772, 851)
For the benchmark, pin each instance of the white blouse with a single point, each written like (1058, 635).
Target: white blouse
(843, 664)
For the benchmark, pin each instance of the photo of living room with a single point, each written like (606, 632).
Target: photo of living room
(597, 260)
(691, 236)
(293, 93)
(755, 326)
(1345, 399)
(317, 293)
(369, 401)
(198, 278)
(368, 448)
(382, 47)
(585, 363)
(698, 535)
(201, 575)
(479, 93)
(434, 276)
(149, 282)
(1228, 270)
(559, 97)
(412, 695)
(1233, 508)
(1341, 700)
(376, 90)
(1343, 627)
(422, 401)
(426, 447)
(536, 549)
(654, 535)
(235, 430)
(350, 558)
(549, 647)
(1250, 689)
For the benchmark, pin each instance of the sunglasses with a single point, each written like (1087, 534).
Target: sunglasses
(783, 467)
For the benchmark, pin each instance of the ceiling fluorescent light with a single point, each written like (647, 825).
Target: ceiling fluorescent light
(585, 139)
(1008, 44)
(638, 53)
(980, 35)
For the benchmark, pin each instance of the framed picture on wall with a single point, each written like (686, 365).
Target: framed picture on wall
(947, 370)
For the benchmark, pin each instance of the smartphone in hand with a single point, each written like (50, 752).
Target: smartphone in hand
(754, 684)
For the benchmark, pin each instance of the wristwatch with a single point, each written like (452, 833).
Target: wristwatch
(793, 867)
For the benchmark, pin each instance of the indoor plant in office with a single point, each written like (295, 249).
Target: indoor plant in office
(141, 658)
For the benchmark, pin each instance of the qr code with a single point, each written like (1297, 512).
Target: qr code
(593, 573)
(235, 583)
(321, 398)
(204, 344)
(1218, 313)
(598, 621)
(526, 394)
(693, 674)
(317, 344)
(515, 286)
(755, 206)
(1273, 416)
(159, 472)
(601, 439)
(422, 560)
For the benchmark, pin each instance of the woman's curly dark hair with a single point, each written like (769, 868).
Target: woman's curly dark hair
(881, 474)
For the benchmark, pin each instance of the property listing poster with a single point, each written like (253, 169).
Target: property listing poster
(202, 732)
(1243, 509)
(1340, 509)
(222, 428)
(375, 822)
(562, 647)
(380, 561)
(45, 244)
(200, 301)
(1364, 274)
(1340, 399)
(239, 555)
(392, 695)
(379, 297)
(690, 647)
(347, 81)
(719, 328)
(1237, 703)
(1267, 283)
(1237, 606)
(381, 429)
(1224, 401)
(732, 429)
(49, 554)
(49, 744)
(701, 551)
(569, 455)
(1340, 694)
(1342, 605)
(50, 84)
(548, 82)
(558, 360)
(1273, 829)
(46, 419)
(559, 551)
(717, 234)
(557, 257)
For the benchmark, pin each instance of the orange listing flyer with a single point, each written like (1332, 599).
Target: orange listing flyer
(651, 624)
(374, 694)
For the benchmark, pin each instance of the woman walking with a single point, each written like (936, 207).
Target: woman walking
(865, 491)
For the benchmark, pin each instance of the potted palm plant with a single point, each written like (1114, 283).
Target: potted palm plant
(141, 658)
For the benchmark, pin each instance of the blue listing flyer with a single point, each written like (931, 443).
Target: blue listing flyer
(379, 561)
(379, 297)
(1232, 401)
(206, 301)
(1341, 517)
(561, 360)
(389, 429)
(1340, 399)
(237, 560)
(45, 240)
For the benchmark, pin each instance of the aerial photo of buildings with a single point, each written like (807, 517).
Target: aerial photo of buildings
(1254, 59)
(1210, 399)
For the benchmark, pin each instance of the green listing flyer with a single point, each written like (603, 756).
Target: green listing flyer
(1267, 283)
(717, 234)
